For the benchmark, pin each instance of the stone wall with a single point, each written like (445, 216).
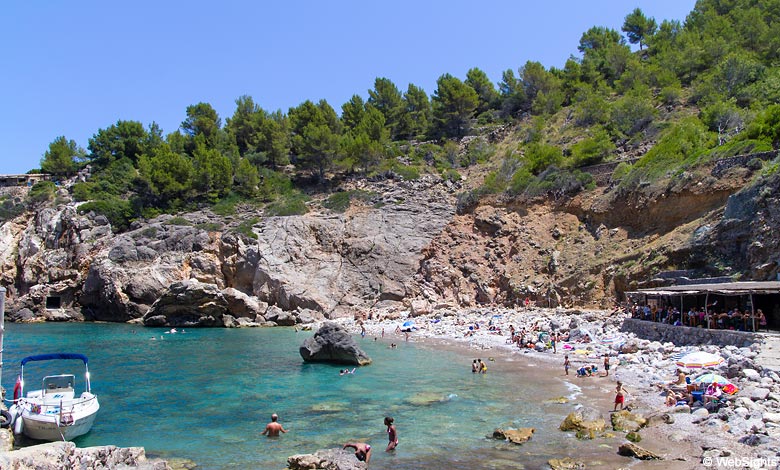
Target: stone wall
(687, 336)
(14, 191)
(725, 164)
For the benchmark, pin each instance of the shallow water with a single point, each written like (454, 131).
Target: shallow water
(206, 396)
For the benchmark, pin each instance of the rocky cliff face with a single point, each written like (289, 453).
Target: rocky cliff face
(322, 262)
(588, 250)
(403, 245)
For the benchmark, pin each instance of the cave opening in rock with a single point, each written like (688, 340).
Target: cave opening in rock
(53, 302)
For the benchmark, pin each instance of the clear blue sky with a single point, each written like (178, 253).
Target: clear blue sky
(72, 68)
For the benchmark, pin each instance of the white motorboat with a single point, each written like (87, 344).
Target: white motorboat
(54, 412)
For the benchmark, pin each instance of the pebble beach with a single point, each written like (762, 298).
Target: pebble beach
(741, 432)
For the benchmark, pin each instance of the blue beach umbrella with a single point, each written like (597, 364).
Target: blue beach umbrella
(711, 378)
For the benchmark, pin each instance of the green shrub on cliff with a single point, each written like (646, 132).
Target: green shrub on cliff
(10, 207)
(226, 205)
(340, 201)
(246, 228)
(592, 150)
(42, 191)
(290, 204)
(677, 149)
(118, 211)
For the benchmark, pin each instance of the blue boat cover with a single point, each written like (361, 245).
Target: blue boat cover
(47, 357)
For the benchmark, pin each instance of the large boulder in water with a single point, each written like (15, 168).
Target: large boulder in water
(332, 343)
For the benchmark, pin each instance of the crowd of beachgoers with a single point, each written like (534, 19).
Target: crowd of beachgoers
(736, 415)
(732, 319)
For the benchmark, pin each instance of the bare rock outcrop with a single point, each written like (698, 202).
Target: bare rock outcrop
(327, 459)
(192, 303)
(332, 343)
(66, 455)
(335, 262)
(309, 266)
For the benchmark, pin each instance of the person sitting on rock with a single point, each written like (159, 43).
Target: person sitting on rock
(680, 382)
(673, 398)
(713, 393)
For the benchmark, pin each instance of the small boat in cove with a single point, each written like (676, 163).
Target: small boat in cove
(54, 412)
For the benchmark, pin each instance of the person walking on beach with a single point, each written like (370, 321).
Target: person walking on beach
(620, 395)
(553, 340)
(273, 428)
(392, 434)
(362, 450)
(566, 364)
(606, 365)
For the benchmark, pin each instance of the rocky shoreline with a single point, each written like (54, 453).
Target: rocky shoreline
(744, 429)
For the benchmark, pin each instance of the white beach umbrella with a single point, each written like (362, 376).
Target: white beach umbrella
(699, 360)
(613, 339)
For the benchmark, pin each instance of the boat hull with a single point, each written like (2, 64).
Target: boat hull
(47, 429)
(53, 426)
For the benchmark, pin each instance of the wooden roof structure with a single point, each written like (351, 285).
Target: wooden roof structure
(722, 288)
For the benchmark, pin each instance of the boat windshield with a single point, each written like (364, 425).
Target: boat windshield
(53, 383)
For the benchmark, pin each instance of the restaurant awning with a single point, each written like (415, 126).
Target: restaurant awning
(723, 288)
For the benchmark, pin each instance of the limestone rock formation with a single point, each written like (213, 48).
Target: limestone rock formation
(192, 303)
(632, 450)
(328, 459)
(321, 264)
(515, 436)
(333, 263)
(66, 455)
(586, 422)
(626, 421)
(566, 463)
(332, 343)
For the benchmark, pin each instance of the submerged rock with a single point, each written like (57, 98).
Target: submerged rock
(566, 463)
(515, 436)
(426, 399)
(332, 343)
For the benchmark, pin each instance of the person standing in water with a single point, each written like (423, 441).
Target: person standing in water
(620, 395)
(392, 434)
(273, 428)
(474, 367)
(606, 365)
(566, 364)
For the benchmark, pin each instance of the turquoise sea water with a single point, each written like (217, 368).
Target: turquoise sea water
(206, 396)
